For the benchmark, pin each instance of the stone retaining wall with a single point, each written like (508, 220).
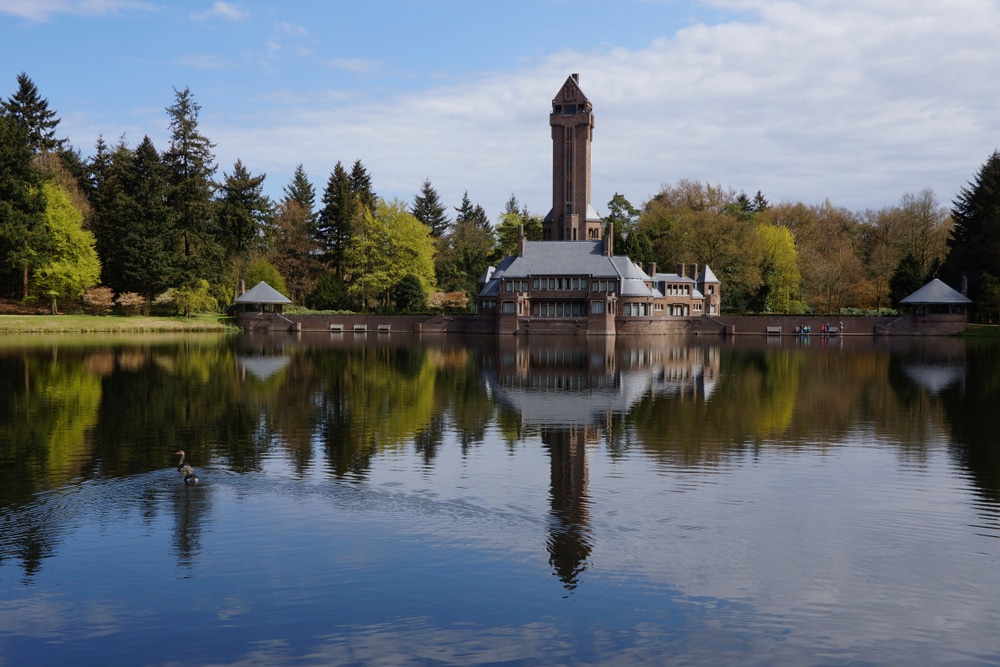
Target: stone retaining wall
(763, 325)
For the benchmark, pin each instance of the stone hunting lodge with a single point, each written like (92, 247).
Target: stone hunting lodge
(572, 279)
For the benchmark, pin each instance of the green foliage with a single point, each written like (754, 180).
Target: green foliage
(469, 212)
(428, 209)
(330, 293)
(72, 264)
(302, 192)
(261, 269)
(245, 213)
(408, 295)
(385, 247)
(132, 224)
(190, 168)
(906, 279)
(780, 278)
(23, 241)
(335, 221)
(974, 247)
(31, 112)
(189, 299)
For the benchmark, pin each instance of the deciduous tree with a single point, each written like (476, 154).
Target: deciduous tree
(385, 247)
(72, 265)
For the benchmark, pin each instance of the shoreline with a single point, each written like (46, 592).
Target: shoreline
(82, 324)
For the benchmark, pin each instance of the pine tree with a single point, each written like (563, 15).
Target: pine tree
(361, 186)
(32, 113)
(474, 213)
(302, 192)
(335, 220)
(190, 169)
(22, 237)
(245, 213)
(974, 246)
(428, 209)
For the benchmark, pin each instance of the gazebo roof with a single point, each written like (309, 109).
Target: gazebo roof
(935, 293)
(262, 293)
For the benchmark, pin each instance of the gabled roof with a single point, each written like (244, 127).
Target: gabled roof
(262, 293)
(935, 292)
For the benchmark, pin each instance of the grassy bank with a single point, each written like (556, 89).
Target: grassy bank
(113, 324)
(981, 331)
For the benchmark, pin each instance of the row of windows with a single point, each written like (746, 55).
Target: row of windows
(561, 284)
(573, 309)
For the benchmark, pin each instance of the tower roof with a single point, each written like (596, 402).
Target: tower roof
(571, 93)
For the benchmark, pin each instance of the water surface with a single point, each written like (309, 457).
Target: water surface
(383, 499)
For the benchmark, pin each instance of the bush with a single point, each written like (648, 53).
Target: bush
(451, 302)
(408, 295)
(98, 300)
(188, 299)
(130, 303)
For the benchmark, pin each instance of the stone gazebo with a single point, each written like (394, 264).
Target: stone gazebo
(260, 308)
(936, 298)
(933, 310)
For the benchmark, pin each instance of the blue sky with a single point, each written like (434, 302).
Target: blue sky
(854, 101)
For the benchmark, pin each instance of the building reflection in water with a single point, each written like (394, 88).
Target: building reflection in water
(571, 389)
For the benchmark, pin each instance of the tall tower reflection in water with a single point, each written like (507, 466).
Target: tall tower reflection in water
(572, 389)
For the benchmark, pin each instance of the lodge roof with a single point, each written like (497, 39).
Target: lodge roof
(935, 293)
(262, 293)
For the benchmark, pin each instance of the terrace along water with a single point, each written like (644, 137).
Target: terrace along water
(379, 499)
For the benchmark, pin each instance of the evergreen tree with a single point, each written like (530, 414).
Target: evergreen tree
(428, 209)
(245, 214)
(190, 169)
(974, 246)
(302, 192)
(131, 223)
(905, 280)
(335, 220)
(23, 242)
(32, 113)
(361, 186)
(512, 207)
(472, 213)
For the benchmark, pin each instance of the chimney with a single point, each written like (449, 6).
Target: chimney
(694, 271)
(965, 286)
(576, 77)
(520, 240)
(652, 269)
(609, 240)
(680, 270)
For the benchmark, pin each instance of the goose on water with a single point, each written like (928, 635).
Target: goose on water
(185, 469)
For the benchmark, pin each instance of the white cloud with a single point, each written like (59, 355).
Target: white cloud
(853, 101)
(222, 10)
(42, 10)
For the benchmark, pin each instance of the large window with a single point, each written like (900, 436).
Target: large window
(603, 286)
(597, 307)
(508, 308)
(571, 309)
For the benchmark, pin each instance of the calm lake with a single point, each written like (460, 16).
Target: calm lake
(382, 499)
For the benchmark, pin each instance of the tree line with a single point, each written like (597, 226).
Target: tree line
(159, 228)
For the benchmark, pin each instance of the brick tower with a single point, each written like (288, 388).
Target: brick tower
(571, 218)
